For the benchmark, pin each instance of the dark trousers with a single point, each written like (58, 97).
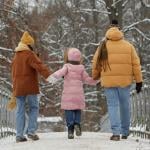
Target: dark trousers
(72, 117)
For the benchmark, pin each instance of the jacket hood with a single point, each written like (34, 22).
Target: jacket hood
(114, 34)
(21, 47)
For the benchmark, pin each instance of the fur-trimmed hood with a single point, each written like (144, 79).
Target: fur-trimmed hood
(21, 47)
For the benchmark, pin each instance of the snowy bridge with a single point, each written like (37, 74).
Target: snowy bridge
(138, 140)
(89, 141)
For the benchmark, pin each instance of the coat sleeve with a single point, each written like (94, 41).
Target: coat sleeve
(61, 72)
(136, 65)
(87, 79)
(95, 71)
(37, 64)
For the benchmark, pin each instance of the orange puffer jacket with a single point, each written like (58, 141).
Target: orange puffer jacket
(123, 61)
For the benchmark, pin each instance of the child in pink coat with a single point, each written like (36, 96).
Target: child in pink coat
(72, 101)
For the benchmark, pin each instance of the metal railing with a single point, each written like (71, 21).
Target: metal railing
(7, 118)
(140, 113)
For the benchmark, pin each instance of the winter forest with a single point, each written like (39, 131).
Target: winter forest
(58, 24)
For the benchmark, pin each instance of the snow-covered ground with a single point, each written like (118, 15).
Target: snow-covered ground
(49, 119)
(89, 141)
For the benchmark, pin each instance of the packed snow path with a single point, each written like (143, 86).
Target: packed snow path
(88, 141)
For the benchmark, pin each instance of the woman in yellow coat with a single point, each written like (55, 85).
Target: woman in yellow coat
(117, 65)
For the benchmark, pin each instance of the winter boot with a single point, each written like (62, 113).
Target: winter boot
(124, 136)
(71, 132)
(21, 139)
(115, 137)
(33, 137)
(78, 129)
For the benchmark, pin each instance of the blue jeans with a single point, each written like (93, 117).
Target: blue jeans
(118, 101)
(33, 105)
(72, 117)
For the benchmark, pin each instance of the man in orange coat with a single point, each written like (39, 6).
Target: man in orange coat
(25, 68)
(117, 65)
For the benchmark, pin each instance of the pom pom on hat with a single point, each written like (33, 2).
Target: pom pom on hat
(114, 22)
(27, 39)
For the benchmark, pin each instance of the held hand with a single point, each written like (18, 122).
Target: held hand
(138, 87)
(97, 81)
(51, 79)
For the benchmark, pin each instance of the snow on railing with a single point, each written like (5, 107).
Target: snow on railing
(140, 113)
(50, 119)
(7, 119)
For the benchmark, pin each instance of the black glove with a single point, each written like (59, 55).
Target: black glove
(138, 87)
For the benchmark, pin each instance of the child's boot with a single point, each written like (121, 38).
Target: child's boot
(71, 132)
(78, 129)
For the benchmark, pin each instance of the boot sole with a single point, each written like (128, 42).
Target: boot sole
(21, 141)
(71, 137)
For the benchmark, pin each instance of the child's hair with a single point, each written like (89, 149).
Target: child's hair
(102, 59)
(66, 55)
(69, 61)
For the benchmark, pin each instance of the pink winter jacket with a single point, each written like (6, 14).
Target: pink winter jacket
(74, 78)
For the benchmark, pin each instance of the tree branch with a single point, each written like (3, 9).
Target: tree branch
(126, 28)
(141, 33)
(102, 1)
(93, 10)
(144, 4)
(124, 3)
(6, 49)
(115, 3)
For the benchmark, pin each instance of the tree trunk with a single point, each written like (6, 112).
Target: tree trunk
(95, 20)
(101, 102)
(115, 8)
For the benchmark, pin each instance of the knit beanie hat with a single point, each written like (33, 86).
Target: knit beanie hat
(74, 54)
(27, 39)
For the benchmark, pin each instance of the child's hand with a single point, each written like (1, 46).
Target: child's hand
(51, 79)
(97, 81)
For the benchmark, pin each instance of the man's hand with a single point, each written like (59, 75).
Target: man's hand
(138, 87)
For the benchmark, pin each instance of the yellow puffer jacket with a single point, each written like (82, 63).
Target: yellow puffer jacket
(123, 61)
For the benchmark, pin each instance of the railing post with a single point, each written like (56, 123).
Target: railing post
(7, 119)
(140, 113)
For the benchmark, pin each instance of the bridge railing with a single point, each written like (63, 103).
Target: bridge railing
(140, 113)
(7, 118)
